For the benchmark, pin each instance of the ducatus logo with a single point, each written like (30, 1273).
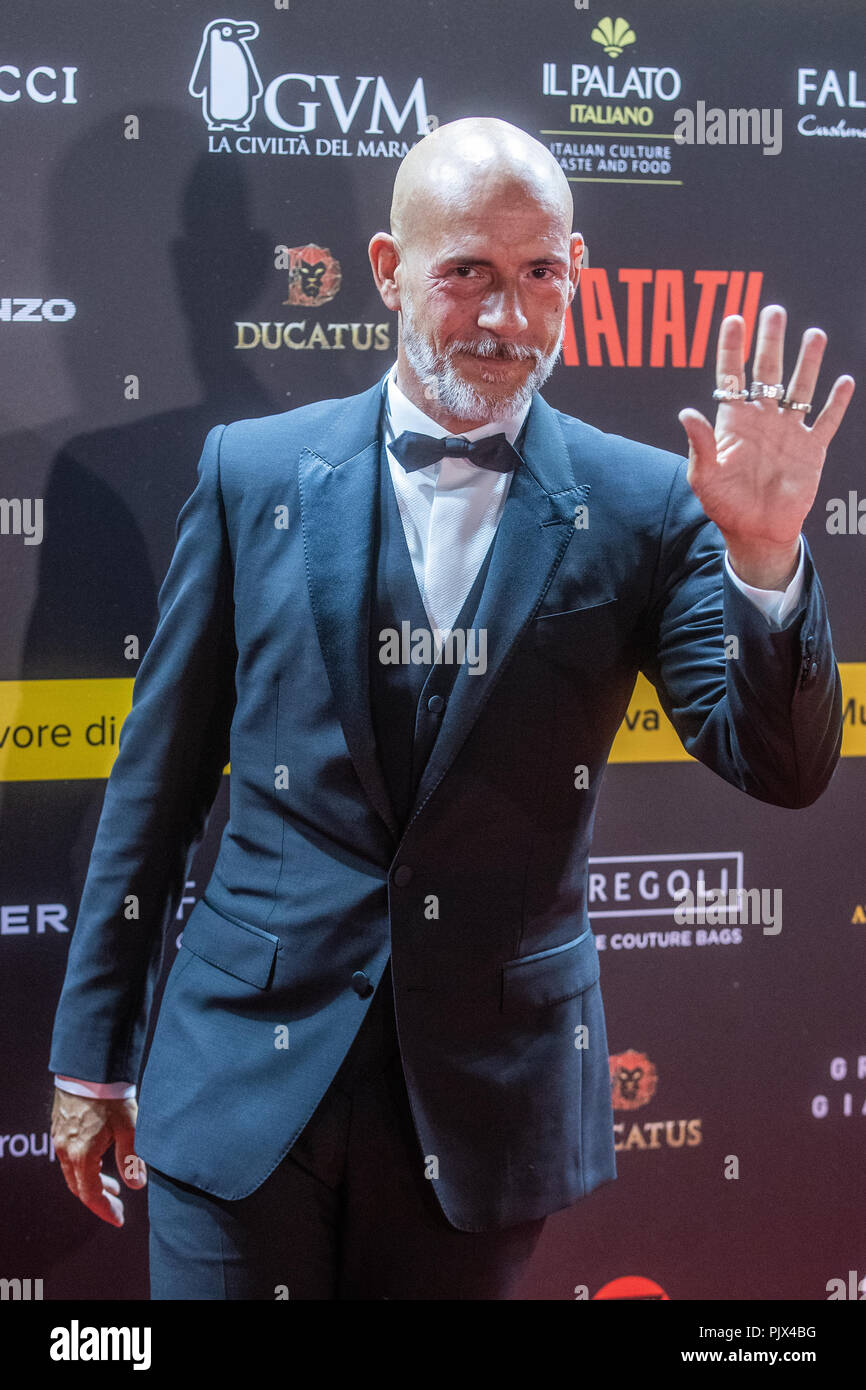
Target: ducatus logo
(633, 1080)
(314, 274)
(633, 1083)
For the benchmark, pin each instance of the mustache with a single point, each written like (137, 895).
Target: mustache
(510, 352)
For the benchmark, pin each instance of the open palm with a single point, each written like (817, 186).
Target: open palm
(757, 473)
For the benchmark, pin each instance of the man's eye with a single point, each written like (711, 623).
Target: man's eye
(458, 269)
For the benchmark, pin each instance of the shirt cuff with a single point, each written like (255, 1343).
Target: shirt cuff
(97, 1090)
(775, 604)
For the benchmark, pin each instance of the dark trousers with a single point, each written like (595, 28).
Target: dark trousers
(347, 1214)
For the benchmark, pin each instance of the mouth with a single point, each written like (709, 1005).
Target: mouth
(495, 363)
(499, 371)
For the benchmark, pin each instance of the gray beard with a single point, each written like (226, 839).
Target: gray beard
(444, 384)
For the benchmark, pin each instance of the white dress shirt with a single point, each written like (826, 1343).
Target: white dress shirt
(463, 502)
(450, 509)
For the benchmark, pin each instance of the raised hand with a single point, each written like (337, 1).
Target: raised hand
(757, 473)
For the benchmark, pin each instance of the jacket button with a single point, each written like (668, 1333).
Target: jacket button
(361, 984)
(436, 704)
(402, 876)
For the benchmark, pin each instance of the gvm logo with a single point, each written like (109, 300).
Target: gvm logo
(227, 81)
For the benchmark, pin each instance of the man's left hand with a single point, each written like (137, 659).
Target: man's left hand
(756, 475)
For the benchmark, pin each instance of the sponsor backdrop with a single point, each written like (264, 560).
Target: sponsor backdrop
(187, 203)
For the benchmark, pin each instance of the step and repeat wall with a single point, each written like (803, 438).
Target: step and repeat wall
(187, 204)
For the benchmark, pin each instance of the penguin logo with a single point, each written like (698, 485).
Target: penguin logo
(225, 75)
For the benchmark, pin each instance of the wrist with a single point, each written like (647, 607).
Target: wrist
(764, 566)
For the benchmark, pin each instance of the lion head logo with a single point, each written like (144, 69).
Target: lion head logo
(314, 275)
(633, 1080)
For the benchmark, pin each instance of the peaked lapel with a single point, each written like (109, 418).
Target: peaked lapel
(338, 487)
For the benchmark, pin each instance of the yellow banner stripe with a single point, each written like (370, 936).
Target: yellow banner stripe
(55, 730)
(646, 735)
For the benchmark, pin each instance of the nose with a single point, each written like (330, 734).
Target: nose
(502, 312)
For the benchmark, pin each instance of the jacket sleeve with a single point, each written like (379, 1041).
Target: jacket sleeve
(761, 705)
(173, 746)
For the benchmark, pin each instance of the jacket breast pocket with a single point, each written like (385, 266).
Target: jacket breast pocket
(588, 638)
(547, 977)
(240, 949)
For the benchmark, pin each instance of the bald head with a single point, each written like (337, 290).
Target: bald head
(478, 161)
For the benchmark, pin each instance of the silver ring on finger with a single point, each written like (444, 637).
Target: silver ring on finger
(723, 393)
(804, 406)
(760, 390)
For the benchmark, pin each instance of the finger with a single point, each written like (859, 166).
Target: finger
(769, 359)
(836, 404)
(730, 373)
(68, 1170)
(702, 443)
(97, 1196)
(804, 377)
(73, 1164)
(697, 427)
(90, 1180)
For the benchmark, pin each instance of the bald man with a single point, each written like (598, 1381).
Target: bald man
(412, 619)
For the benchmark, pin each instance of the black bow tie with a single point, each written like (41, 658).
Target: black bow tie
(419, 450)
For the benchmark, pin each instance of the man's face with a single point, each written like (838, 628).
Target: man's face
(483, 305)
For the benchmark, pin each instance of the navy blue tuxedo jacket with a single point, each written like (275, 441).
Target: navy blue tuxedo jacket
(261, 657)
